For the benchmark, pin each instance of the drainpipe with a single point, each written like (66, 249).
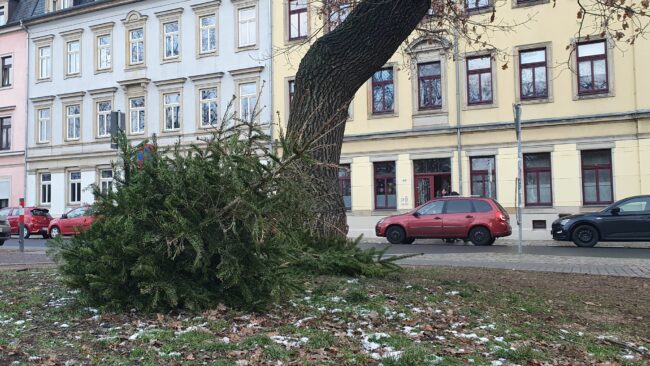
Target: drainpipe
(459, 146)
(26, 114)
(270, 73)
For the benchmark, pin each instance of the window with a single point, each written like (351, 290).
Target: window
(483, 177)
(345, 182)
(482, 206)
(432, 208)
(209, 111)
(208, 29)
(65, 4)
(479, 80)
(75, 187)
(537, 179)
(247, 101)
(73, 122)
(44, 125)
(136, 46)
(104, 119)
(639, 204)
(597, 177)
(7, 76)
(46, 188)
(73, 57)
(477, 4)
(172, 105)
(385, 185)
(3, 19)
(592, 68)
(539, 224)
(44, 62)
(297, 19)
(104, 52)
(533, 82)
(429, 86)
(5, 133)
(172, 45)
(459, 206)
(292, 91)
(337, 14)
(105, 180)
(136, 112)
(383, 91)
(247, 27)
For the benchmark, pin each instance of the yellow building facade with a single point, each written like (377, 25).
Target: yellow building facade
(428, 124)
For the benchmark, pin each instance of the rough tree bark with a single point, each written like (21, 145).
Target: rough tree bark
(329, 75)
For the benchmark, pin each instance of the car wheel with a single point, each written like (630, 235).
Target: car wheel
(26, 232)
(2, 242)
(480, 236)
(55, 232)
(408, 241)
(492, 241)
(395, 235)
(585, 236)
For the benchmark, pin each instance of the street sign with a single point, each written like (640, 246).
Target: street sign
(144, 152)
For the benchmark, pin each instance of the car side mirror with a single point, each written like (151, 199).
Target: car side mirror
(416, 214)
(64, 216)
(615, 211)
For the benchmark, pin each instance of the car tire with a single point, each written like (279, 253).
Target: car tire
(395, 235)
(26, 232)
(2, 242)
(55, 232)
(585, 236)
(492, 241)
(480, 236)
(408, 241)
(45, 236)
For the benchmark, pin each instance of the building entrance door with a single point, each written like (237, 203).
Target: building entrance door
(430, 186)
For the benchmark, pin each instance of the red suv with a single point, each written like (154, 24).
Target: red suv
(36, 220)
(481, 220)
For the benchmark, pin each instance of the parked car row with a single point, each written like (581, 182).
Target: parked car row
(483, 220)
(38, 220)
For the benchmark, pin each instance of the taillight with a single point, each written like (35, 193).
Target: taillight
(501, 216)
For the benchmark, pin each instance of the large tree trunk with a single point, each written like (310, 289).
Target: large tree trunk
(330, 74)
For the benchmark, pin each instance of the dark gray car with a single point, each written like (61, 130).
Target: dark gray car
(5, 230)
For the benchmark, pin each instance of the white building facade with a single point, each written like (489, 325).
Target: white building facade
(171, 66)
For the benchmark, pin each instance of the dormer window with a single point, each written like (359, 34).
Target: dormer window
(65, 4)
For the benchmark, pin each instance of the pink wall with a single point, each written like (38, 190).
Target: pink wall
(13, 102)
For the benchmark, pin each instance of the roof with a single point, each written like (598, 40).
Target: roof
(27, 9)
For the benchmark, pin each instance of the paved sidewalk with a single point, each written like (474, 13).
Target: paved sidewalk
(13, 258)
(541, 263)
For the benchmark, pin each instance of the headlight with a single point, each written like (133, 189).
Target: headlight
(381, 221)
(564, 221)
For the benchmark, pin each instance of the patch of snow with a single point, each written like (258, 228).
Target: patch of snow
(193, 328)
(19, 322)
(225, 340)
(628, 357)
(299, 322)
(354, 280)
(290, 342)
(498, 339)
(452, 293)
(64, 325)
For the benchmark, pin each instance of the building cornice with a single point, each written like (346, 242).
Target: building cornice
(74, 95)
(169, 13)
(96, 92)
(141, 82)
(246, 71)
(102, 27)
(170, 82)
(7, 108)
(203, 77)
(75, 33)
(44, 99)
(44, 39)
(77, 10)
(206, 6)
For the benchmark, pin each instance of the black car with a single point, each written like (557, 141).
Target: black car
(625, 220)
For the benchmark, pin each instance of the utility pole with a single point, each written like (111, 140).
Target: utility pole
(21, 225)
(520, 170)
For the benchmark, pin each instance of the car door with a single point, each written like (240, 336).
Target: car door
(13, 219)
(68, 224)
(457, 218)
(78, 222)
(427, 221)
(628, 220)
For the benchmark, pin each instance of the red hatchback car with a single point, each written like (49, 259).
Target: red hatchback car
(480, 220)
(73, 222)
(36, 220)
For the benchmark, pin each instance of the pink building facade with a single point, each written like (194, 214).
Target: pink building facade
(13, 114)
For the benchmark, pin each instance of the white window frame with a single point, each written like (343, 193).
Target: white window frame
(10, 77)
(141, 117)
(249, 98)
(169, 108)
(65, 4)
(247, 25)
(207, 29)
(44, 122)
(136, 41)
(45, 199)
(174, 36)
(104, 63)
(105, 184)
(72, 200)
(72, 117)
(44, 63)
(73, 58)
(104, 116)
(214, 100)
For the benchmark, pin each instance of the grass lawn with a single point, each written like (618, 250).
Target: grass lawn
(421, 317)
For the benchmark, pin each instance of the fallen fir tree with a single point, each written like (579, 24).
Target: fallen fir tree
(225, 220)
